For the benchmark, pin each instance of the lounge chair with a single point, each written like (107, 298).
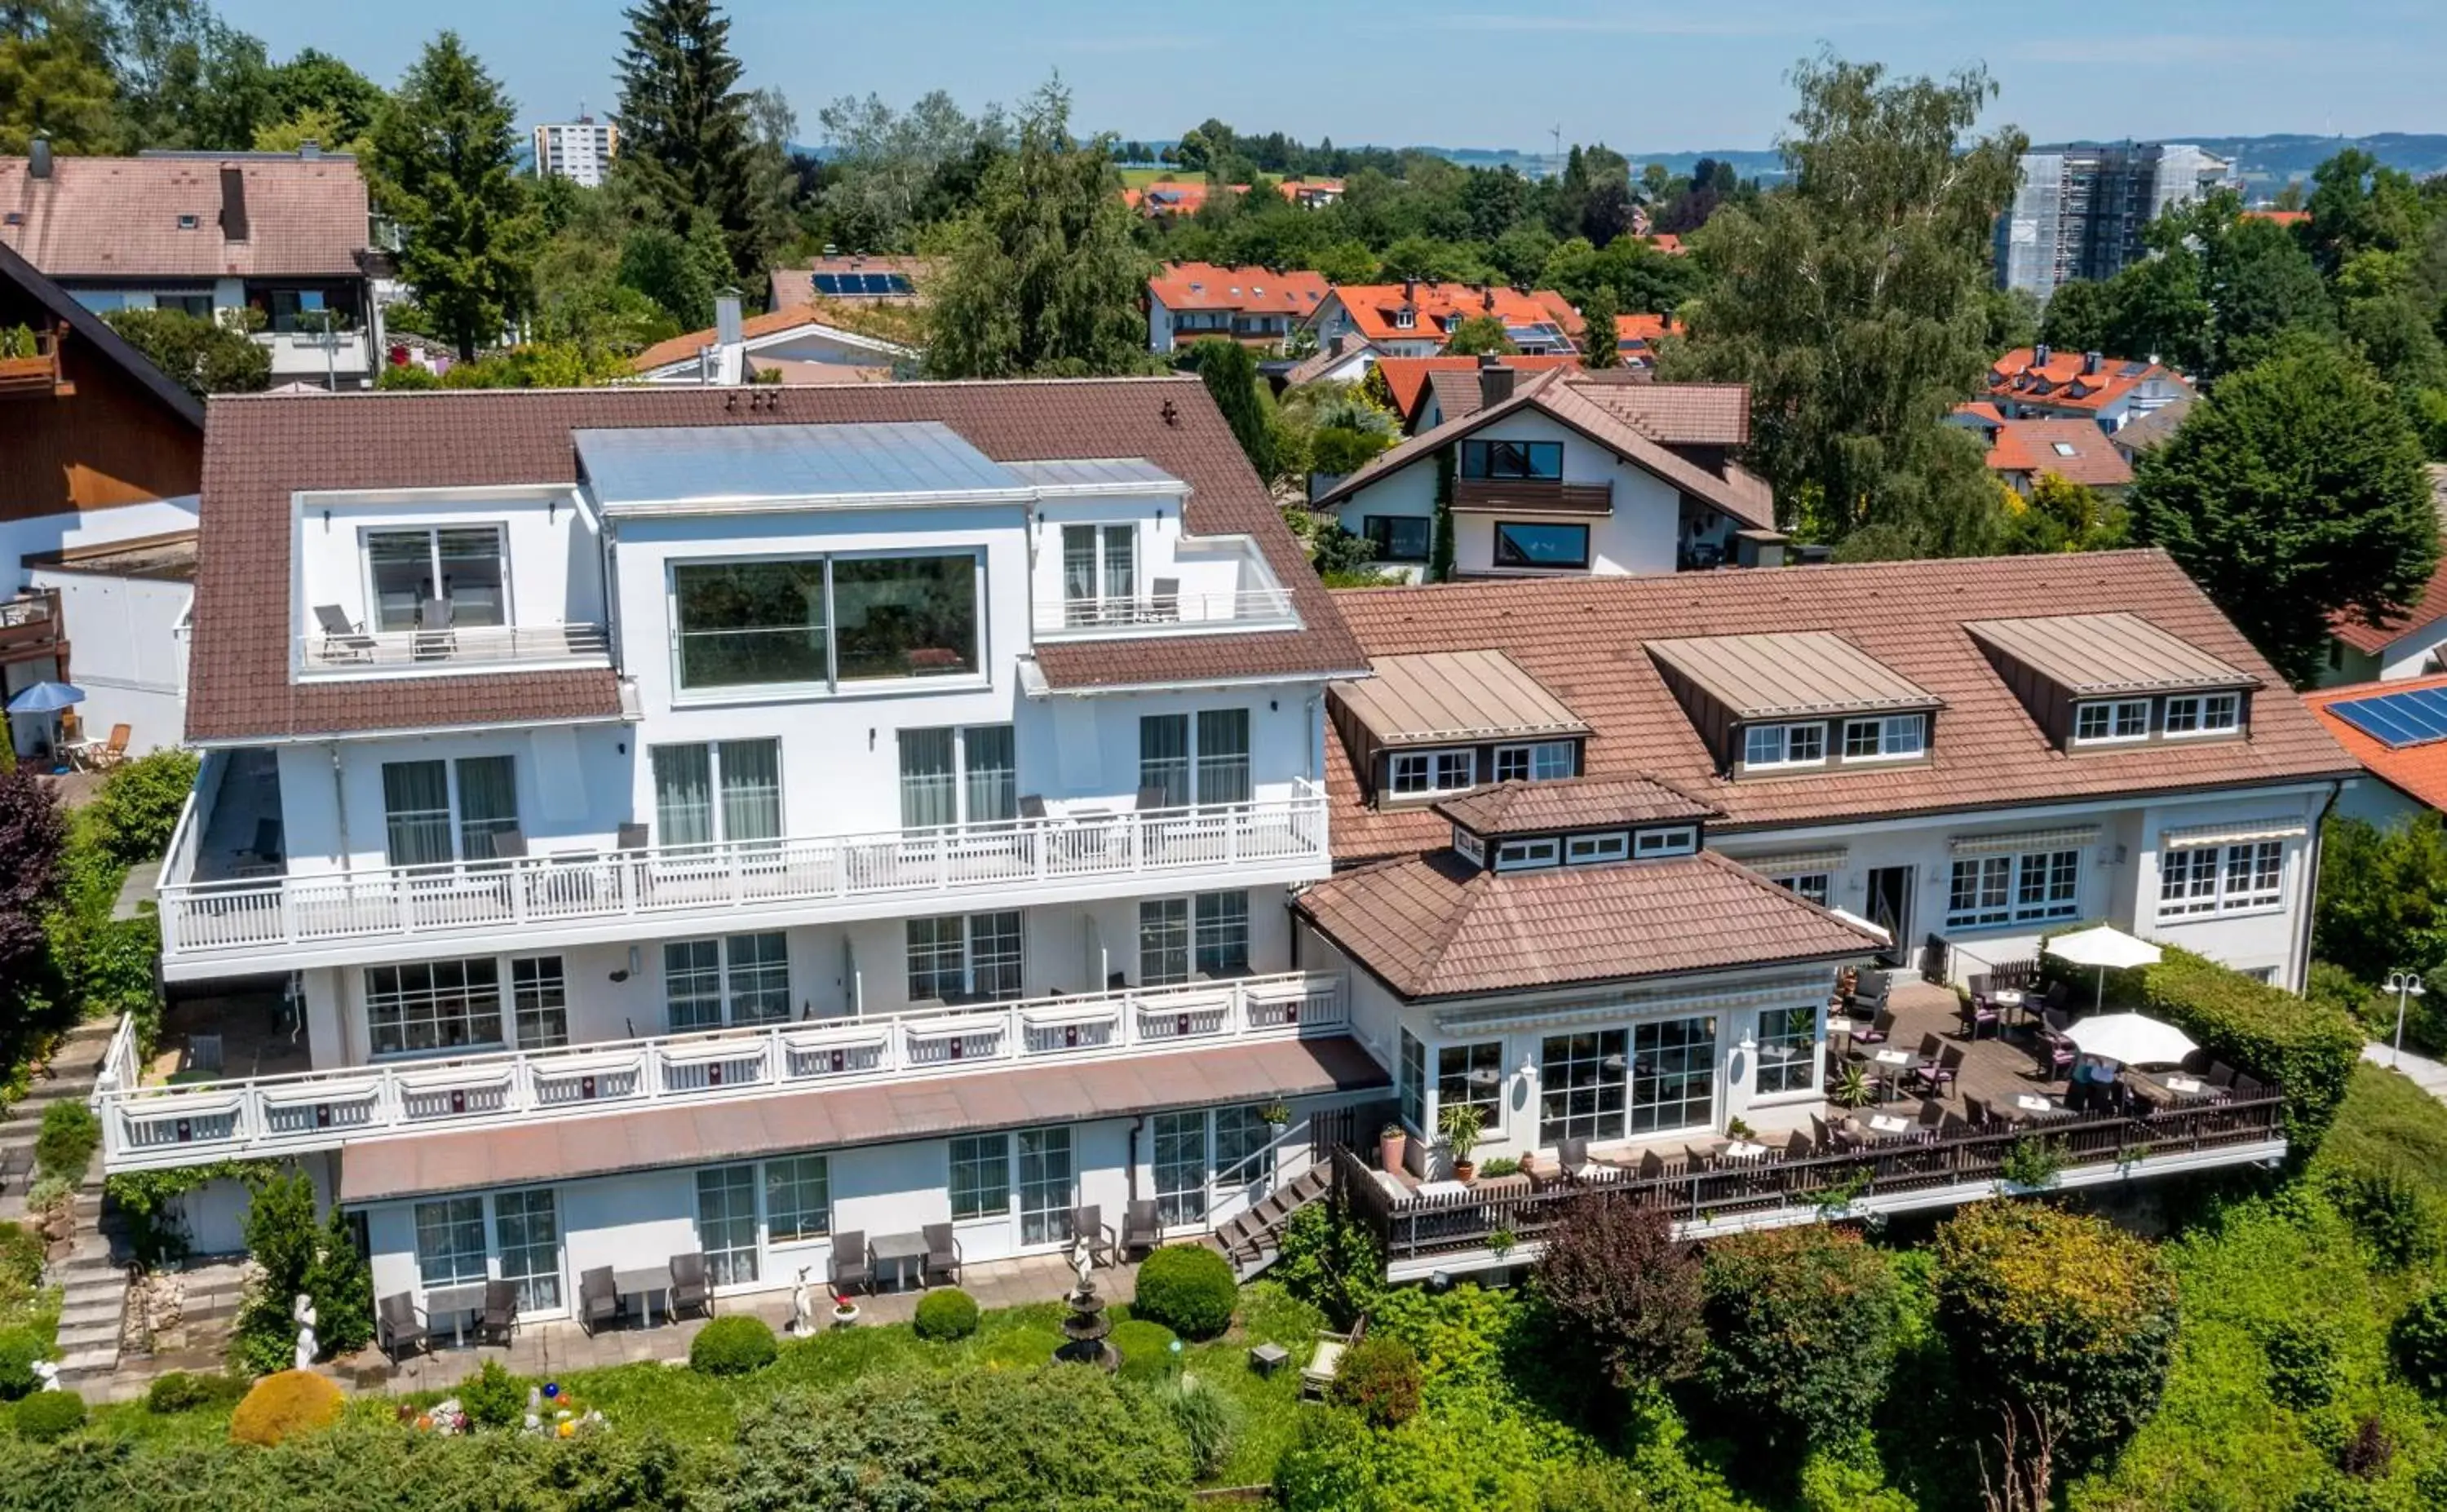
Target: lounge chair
(1163, 598)
(397, 1327)
(850, 1265)
(113, 751)
(942, 1253)
(1141, 1228)
(1326, 1360)
(689, 1287)
(1102, 1243)
(500, 1319)
(344, 640)
(599, 1298)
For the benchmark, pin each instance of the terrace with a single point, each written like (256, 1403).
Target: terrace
(1936, 1158)
(344, 650)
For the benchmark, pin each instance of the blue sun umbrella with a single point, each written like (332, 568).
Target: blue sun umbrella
(45, 698)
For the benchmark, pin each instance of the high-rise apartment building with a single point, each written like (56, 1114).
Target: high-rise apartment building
(579, 151)
(2081, 211)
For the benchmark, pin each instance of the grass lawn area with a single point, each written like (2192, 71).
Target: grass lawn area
(1141, 178)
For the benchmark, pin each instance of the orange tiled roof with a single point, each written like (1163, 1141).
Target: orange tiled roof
(1406, 378)
(2418, 771)
(1372, 307)
(1666, 242)
(1292, 188)
(2075, 450)
(2283, 217)
(1167, 197)
(1646, 329)
(2060, 383)
(2430, 607)
(1251, 290)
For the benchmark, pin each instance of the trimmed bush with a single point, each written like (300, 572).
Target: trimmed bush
(64, 1147)
(945, 1315)
(283, 1405)
(183, 1391)
(1187, 1287)
(2419, 1342)
(51, 1414)
(493, 1398)
(1379, 1379)
(19, 1351)
(732, 1346)
(1146, 1349)
(2308, 1047)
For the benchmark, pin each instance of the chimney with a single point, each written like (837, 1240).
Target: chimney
(1487, 300)
(2040, 355)
(1410, 291)
(1335, 346)
(232, 204)
(725, 359)
(38, 158)
(725, 318)
(2090, 361)
(1494, 380)
(310, 150)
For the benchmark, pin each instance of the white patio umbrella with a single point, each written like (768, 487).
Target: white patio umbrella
(2105, 947)
(2130, 1039)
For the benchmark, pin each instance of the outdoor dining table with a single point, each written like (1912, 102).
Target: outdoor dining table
(2009, 1001)
(897, 1251)
(1886, 1126)
(2030, 1106)
(461, 1302)
(1742, 1150)
(643, 1283)
(1888, 1063)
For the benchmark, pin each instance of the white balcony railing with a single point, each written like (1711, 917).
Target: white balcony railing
(207, 1120)
(264, 920)
(1165, 613)
(357, 654)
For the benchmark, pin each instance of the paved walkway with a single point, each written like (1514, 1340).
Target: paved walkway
(2430, 1075)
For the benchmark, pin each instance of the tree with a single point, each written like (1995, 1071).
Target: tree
(55, 79)
(2060, 1320)
(188, 79)
(1630, 1292)
(2064, 515)
(1043, 276)
(342, 1286)
(2260, 285)
(681, 275)
(686, 136)
(317, 84)
(199, 354)
(283, 1240)
(2294, 491)
(444, 166)
(33, 834)
(1479, 336)
(2014, 319)
(1802, 1331)
(2382, 896)
(1230, 374)
(1597, 311)
(2078, 317)
(1851, 304)
(883, 165)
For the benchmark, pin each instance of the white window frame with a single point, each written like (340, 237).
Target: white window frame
(2011, 907)
(1815, 887)
(1678, 839)
(432, 533)
(426, 998)
(1434, 767)
(832, 684)
(1892, 738)
(452, 772)
(1546, 760)
(1782, 740)
(1528, 855)
(2113, 711)
(732, 985)
(2199, 709)
(796, 1172)
(969, 932)
(1595, 850)
(2222, 880)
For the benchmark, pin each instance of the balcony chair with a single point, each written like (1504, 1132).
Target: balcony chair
(850, 1264)
(1325, 1361)
(1934, 1120)
(1163, 599)
(1944, 1074)
(268, 848)
(1141, 1228)
(1979, 1013)
(110, 752)
(1103, 1245)
(632, 837)
(599, 1298)
(1151, 797)
(1879, 1028)
(2221, 1074)
(1572, 1159)
(942, 1253)
(1800, 1146)
(1032, 805)
(689, 1287)
(1870, 989)
(2059, 1055)
(344, 640)
(1117, 982)
(1652, 1166)
(500, 1319)
(398, 1328)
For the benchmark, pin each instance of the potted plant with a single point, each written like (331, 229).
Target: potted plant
(1459, 1124)
(1393, 1141)
(1501, 1241)
(1278, 1115)
(845, 1311)
(1852, 1087)
(1738, 1129)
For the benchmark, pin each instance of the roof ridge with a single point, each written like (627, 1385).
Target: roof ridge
(598, 390)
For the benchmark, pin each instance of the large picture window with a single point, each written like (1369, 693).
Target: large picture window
(816, 619)
(1243, 1144)
(958, 957)
(1398, 537)
(1523, 544)
(959, 775)
(1209, 934)
(421, 1007)
(1203, 762)
(1673, 1073)
(435, 812)
(2222, 879)
(1045, 1185)
(738, 979)
(1180, 1161)
(726, 1223)
(980, 1178)
(1512, 459)
(450, 1242)
(797, 1198)
(1787, 1050)
(461, 566)
(1472, 1076)
(527, 1228)
(1099, 574)
(1582, 1080)
(540, 1002)
(720, 791)
(2013, 889)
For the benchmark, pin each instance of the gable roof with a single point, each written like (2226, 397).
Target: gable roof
(773, 323)
(2100, 655)
(260, 449)
(2427, 609)
(1584, 640)
(2060, 383)
(1250, 290)
(1437, 926)
(1583, 802)
(1408, 379)
(1788, 674)
(2074, 449)
(118, 217)
(96, 333)
(2148, 433)
(2418, 771)
(1445, 698)
(1372, 307)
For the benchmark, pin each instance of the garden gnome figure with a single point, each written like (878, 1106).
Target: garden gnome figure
(1083, 1259)
(304, 1314)
(802, 1303)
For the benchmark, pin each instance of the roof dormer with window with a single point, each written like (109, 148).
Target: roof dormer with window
(2096, 684)
(1797, 703)
(1587, 821)
(1434, 727)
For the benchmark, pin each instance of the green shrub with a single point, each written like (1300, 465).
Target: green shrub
(181, 1391)
(945, 1315)
(732, 1346)
(1208, 1419)
(1189, 1288)
(138, 803)
(2389, 1214)
(494, 1398)
(1379, 1379)
(51, 1414)
(2418, 1343)
(1019, 1349)
(2308, 1048)
(1330, 1263)
(21, 1257)
(20, 1348)
(1771, 1291)
(2304, 1370)
(71, 1134)
(283, 1405)
(1147, 1350)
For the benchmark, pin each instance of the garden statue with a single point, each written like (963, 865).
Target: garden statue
(304, 1313)
(46, 1375)
(802, 1303)
(1083, 1259)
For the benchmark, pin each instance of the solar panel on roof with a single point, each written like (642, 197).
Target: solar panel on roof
(2397, 720)
(829, 283)
(2133, 370)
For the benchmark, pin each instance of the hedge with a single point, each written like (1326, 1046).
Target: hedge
(51, 1414)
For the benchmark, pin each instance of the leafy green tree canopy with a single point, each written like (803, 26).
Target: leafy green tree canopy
(55, 78)
(201, 355)
(1478, 336)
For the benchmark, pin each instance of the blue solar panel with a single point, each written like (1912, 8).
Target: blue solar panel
(829, 283)
(2398, 719)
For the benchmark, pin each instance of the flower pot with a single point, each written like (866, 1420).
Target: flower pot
(1391, 1148)
(845, 1316)
(1465, 1170)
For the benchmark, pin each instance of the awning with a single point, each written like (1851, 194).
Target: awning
(2231, 834)
(1795, 864)
(2027, 839)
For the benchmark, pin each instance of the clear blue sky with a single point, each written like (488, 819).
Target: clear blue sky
(1657, 75)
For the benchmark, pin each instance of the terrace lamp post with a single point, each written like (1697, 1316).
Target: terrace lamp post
(2406, 986)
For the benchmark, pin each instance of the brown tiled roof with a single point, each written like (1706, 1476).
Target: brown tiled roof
(1435, 926)
(691, 1134)
(118, 217)
(1583, 640)
(2060, 383)
(1585, 803)
(2155, 429)
(2074, 449)
(1408, 379)
(1677, 414)
(259, 449)
(2428, 607)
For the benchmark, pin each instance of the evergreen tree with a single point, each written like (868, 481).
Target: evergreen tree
(1044, 276)
(2294, 491)
(444, 166)
(1599, 311)
(2078, 316)
(687, 139)
(1230, 374)
(55, 79)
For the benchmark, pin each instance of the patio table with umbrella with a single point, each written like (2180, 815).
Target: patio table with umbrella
(47, 699)
(2130, 1039)
(2106, 948)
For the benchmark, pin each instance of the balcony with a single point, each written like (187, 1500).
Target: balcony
(1167, 612)
(471, 648)
(29, 363)
(313, 354)
(270, 923)
(197, 1122)
(1543, 496)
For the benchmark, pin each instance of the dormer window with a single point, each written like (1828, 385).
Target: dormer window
(2195, 714)
(1895, 737)
(1428, 773)
(1681, 840)
(1405, 318)
(2101, 681)
(1546, 762)
(1526, 855)
(1766, 746)
(1787, 701)
(2112, 722)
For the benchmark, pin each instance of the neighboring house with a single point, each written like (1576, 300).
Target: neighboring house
(2146, 433)
(287, 235)
(2079, 212)
(1636, 338)
(894, 827)
(100, 455)
(1167, 201)
(1416, 384)
(2108, 391)
(1416, 319)
(580, 150)
(851, 280)
(804, 344)
(1565, 472)
(1257, 307)
(1310, 194)
(2409, 644)
(2022, 452)
(2398, 730)
(1344, 359)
